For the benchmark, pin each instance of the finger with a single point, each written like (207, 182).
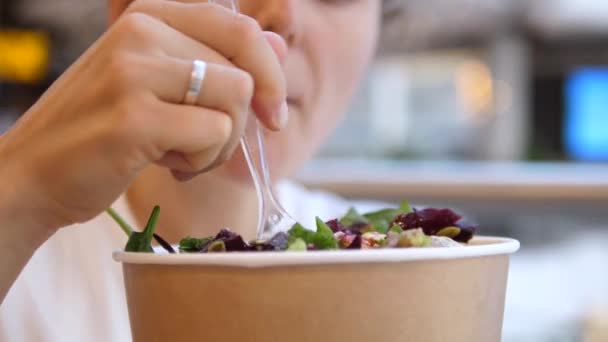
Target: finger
(169, 79)
(198, 134)
(246, 47)
(278, 45)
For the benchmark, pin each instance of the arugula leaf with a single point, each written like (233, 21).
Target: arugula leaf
(352, 217)
(299, 232)
(142, 241)
(193, 245)
(324, 237)
(298, 245)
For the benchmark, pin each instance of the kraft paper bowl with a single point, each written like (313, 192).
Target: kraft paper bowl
(415, 295)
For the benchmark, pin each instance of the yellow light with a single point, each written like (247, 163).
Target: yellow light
(24, 56)
(475, 87)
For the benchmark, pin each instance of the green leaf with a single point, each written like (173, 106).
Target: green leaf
(193, 245)
(396, 228)
(352, 217)
(381, 220)
(299, 232)
(384, 215)
(405, 208)
(323, 228)
(297, 245)
(324, 237)
(381, 226)
(121, 222)
(142, 241)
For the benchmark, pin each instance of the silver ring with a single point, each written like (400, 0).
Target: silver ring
(199, 69)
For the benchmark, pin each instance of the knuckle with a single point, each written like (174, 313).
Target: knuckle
(121, 71)
(135, 25)
(128, 121)
(247, 29)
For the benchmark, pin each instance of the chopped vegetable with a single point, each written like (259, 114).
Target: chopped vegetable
(298, 231)
(401, 227)
(324, 237)
(298, 245)
(192, 245)
(217, 246)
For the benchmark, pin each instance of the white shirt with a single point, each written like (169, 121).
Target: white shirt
(72, 290)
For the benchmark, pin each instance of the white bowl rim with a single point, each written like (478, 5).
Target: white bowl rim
(489, 246)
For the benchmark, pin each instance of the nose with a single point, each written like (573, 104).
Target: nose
(278, 16)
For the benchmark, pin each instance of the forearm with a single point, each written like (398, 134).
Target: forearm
(21, 232)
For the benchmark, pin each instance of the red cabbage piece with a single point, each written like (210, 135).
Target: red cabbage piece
(335, 225)
(431, 220)
(234, 242)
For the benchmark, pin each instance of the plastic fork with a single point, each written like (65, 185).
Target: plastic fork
(272, 217)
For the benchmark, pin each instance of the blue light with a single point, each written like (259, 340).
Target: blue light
(586, 126)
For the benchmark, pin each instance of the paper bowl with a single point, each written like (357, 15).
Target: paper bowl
(417, 294)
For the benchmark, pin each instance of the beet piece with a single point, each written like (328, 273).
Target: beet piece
(356, 244)
(431, 220)
(335, 226)
(225, 234)
(234, 242)
(467, 230)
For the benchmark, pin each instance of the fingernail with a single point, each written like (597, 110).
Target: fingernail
(283, 116)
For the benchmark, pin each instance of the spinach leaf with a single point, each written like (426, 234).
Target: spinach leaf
(121, 222)
(193, 245)
(324, 237)
(142, 241)
(381, 220)
(299, 232)
(352, 217)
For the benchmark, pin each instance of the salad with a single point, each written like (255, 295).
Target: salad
(402, 227)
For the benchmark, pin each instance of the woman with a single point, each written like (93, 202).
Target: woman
(117, 119)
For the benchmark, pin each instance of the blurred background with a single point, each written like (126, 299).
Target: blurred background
(498, 108)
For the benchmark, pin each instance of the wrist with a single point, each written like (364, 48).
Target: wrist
(19, 218)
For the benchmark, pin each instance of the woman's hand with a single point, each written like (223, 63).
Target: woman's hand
(119, 108)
